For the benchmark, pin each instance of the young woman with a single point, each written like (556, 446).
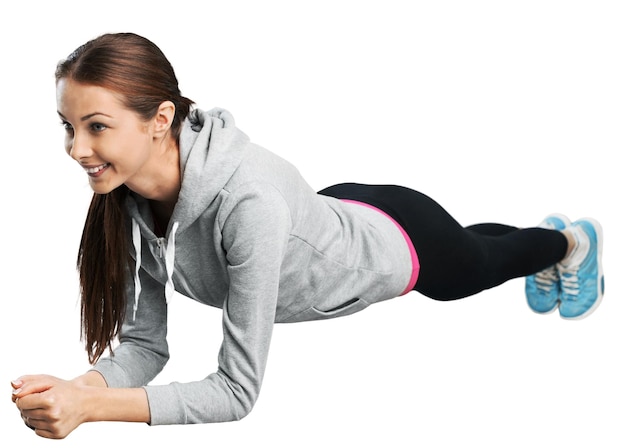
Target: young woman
(185, 202)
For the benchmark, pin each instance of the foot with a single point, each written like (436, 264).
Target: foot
(543, 288)
(582, 279)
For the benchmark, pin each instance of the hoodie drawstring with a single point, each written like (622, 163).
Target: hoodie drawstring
(170, 254)
(137, 246)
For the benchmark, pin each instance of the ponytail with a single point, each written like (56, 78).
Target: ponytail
(103, 262)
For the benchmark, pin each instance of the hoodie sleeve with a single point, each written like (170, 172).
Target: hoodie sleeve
(255, 224)
(143, 350)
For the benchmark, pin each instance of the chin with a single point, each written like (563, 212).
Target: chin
(102, 188)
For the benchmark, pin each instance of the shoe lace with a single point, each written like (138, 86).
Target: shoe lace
(569, 282)
(546, 279)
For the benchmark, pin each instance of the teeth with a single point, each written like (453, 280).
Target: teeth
(97, 168)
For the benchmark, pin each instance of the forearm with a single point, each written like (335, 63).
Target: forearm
(112, 404)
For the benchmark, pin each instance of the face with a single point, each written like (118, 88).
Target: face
(110, 142)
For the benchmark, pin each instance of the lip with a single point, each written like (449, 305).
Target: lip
(96, 170)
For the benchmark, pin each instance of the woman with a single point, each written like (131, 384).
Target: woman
(184, 201)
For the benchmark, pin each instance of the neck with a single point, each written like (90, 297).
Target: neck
(161, 214)
(160, 179)
(162, 187)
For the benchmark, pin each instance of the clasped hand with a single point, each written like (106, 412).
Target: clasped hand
(52, 407)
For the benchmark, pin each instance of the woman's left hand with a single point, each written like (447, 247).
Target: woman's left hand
(52, 407)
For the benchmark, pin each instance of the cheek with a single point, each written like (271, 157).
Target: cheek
(130, 152)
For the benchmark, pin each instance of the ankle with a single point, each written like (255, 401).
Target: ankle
(577, 246)
(572, 242)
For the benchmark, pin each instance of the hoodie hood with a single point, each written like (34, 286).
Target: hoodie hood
(211, 149)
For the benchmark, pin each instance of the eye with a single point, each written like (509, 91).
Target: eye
(67, 126)
(97, 127)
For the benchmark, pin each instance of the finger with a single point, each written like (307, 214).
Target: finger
(42, 425)
(40, 428)
(36, 423)
(32, 384)
(30, 422)
(33, 415)
(44, 428)
(30, 402)
(28, 425)
(17, 388)
(47, 434)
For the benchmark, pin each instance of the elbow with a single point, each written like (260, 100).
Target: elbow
(242, 402)
(245, 410)
(242, 405)
(162, 358)
(152, 358)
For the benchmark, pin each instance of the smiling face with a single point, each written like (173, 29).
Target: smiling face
(112, 143)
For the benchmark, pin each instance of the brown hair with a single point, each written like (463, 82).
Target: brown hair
(139, 72)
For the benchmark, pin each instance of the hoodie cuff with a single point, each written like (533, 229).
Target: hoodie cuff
(165, 405)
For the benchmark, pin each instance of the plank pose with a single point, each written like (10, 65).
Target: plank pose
(183, 201)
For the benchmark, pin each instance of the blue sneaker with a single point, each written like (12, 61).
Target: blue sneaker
(543, 289)
(582, 279)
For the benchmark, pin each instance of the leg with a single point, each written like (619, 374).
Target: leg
(456, 262)
(491, 229)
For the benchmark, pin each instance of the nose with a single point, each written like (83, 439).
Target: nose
(78, 146)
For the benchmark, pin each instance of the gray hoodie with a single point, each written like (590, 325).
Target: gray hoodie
(250, 236)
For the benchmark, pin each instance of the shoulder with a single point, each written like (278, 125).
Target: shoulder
(253, 203)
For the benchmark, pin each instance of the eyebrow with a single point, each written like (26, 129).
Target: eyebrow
(86, 117)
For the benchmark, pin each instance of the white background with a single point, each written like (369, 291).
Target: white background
(501, 110)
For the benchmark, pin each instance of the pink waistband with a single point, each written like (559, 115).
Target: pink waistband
(415, 269)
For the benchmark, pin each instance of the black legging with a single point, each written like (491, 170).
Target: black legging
(457, 261)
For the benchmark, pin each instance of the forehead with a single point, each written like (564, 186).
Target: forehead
(74, 98)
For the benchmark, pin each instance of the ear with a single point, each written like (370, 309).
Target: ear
(162, 121)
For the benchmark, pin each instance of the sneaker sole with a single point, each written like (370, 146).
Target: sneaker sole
(600, 239)
(544, 313)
